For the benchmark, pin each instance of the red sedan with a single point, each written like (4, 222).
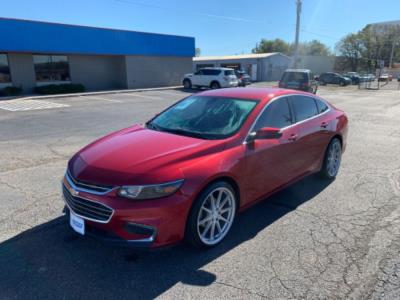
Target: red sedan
(187, 172)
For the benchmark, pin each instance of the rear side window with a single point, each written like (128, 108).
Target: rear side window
(229, 72)
(304, 107)
(277, 115)
(211, 72)
(322, 107)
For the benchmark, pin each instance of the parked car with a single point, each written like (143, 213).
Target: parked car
(367, 77)
(187, 172)
(354, 76)
(214, 78)
(243, 78)
(385, 77)
(333, 78)
(299, 79)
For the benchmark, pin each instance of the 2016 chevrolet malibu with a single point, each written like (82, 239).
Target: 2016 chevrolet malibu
(187, 172)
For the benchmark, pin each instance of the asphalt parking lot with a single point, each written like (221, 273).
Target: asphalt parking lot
(315, 239)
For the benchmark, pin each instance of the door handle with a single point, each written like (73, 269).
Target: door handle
(293, 137)
(324, 124)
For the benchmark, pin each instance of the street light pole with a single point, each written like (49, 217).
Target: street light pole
(296, 41)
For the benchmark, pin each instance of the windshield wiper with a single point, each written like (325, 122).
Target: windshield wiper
(152, 125)
(187, 133)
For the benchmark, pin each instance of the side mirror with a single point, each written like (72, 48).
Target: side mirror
(265, 133)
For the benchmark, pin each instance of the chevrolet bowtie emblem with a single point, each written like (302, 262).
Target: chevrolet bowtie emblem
(73, 192)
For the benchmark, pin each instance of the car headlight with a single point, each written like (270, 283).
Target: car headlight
(155, 191)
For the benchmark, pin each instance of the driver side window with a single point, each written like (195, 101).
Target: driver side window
(276, 115)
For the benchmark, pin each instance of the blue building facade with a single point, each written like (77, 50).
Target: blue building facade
(36, 53)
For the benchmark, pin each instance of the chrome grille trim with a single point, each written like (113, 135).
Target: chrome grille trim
(87, 209)
(87, 188)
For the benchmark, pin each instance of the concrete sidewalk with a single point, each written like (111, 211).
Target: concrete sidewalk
(31, 97)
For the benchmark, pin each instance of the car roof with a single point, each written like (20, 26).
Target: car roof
(298, 70)
(213, 68)
(263, 94)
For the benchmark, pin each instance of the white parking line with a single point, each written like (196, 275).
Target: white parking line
(169, 93)
(100, 98)
(25, 105)
(140, 95)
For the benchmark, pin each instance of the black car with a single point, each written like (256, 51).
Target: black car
(354, 76)
(299, 79)
(333, 78)
(243, 78)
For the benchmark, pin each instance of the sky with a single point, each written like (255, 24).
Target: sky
(220, 27)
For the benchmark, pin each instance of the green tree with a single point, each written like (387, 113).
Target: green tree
(313, 47)
(364, 48)
(268, 46)
(351, 48)
(316, 48)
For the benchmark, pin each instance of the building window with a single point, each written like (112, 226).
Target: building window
(202, 66)
(5, 76)
(51, 68)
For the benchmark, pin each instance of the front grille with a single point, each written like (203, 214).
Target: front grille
(87, 186)
(87, 209)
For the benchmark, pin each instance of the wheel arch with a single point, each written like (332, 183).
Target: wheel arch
(221, 177)
(232, 182)
(339, 137)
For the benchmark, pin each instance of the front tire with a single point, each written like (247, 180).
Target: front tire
(342, 83)
(212, 215)
(215, 85)
(332, 159)
(187, 84)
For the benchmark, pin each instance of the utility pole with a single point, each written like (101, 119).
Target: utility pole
(391, 54)
(296, 41)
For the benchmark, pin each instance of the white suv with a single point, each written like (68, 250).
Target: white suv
(214, 78)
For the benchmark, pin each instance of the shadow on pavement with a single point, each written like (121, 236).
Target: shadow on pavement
(52, 262)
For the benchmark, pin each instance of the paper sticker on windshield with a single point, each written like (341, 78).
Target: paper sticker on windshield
(185, 103)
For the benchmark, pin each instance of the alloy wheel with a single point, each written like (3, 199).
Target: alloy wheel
(334, 158)
(216, 216)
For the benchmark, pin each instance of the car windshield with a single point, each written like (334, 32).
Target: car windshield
(204, 117)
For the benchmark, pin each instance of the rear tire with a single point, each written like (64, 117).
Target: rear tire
(215, 85)
(332, 159)
(187, 84)
(212, 215)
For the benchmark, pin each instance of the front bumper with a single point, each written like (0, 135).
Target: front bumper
(111, 238)
(135, 223)
(230, 84)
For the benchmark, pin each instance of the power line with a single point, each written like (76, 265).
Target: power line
(202, 14)
(321, 35)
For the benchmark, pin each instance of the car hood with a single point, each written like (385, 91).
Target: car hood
(137, 155)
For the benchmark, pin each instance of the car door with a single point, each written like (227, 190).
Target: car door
(207, 77)
(328, 78)
(336, 78)
(196, 77)
(269, 162)
(310, 132)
